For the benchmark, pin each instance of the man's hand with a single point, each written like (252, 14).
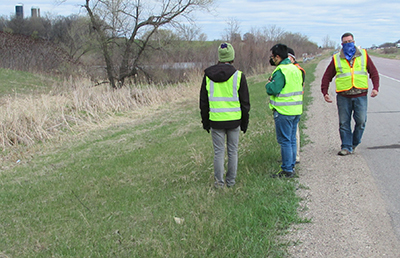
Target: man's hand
(327, 98)
(374, 93)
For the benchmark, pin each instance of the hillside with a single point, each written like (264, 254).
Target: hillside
(20, 82)
(24, 53)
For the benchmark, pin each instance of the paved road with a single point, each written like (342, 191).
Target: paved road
(348, 212)
(381, 141)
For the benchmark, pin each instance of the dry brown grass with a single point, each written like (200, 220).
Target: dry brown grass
(77, 106)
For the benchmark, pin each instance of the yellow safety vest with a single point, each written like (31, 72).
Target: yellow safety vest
(290, 100)
(348, 77)
(223, 98)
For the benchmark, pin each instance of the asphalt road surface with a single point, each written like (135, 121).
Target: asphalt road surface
(381, 140)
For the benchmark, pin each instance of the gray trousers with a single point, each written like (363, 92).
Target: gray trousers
(298, 143)
(232, 142)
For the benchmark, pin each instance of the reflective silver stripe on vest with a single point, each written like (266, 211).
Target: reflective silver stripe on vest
(339, 64)
(286, 103)
(234, 93)
(296, 93)
(222, 110)
(349, 74)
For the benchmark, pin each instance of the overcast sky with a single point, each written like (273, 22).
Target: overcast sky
(371, 21)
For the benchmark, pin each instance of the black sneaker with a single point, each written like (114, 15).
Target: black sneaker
(344, 152)
(290, 174)
(282, 173)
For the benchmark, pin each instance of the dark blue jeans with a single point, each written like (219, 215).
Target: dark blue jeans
(286, 127)
(348, 107)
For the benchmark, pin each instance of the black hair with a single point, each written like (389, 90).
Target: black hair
(280, 50)
(346, 35)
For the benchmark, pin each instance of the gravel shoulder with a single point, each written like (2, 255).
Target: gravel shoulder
(348, 214)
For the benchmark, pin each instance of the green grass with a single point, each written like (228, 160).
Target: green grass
(116, 192)
(13, 82)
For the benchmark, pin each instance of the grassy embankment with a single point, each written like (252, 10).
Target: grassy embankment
(143, 188)
(25, 82)
(394, 53)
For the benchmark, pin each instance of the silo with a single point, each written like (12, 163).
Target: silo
(19, 10)
(35, 11)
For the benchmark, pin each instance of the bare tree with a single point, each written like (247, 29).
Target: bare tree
(3, 22)
(232, 31)
(258, 34)
(273, 33)
(188, 33)
(327, 42)
(125, 27)
(248, 36)
(74, 35)
(202, 37)
(18, 25)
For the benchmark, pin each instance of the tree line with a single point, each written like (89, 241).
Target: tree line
(130, 42)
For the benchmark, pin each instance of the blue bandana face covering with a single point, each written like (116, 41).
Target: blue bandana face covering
(349, 50)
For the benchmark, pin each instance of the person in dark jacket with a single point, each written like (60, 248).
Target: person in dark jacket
(224, 108)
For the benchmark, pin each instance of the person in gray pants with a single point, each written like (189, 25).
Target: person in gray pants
(224, 108)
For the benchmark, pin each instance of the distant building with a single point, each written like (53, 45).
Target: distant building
(35, 11)
(19, 10)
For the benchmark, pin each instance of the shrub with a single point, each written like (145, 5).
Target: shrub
(390, 50)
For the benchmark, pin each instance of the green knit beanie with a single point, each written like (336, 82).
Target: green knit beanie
(226, 53)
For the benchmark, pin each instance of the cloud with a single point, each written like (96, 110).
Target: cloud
(371, 21)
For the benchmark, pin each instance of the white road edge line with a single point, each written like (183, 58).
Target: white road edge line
(389, 77)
